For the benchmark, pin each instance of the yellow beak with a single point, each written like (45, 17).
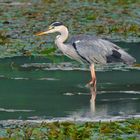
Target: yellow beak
(40, 33)
(44, 32)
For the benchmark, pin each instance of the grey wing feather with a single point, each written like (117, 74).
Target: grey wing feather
(96, 50)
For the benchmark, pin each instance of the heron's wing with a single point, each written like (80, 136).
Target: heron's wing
(82, 37)
(96, 50)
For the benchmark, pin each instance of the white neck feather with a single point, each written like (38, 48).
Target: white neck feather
(60, 39)
(63, 35)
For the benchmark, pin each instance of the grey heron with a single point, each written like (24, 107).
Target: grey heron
(88, 49)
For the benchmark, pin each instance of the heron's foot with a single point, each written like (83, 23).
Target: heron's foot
(93, 84)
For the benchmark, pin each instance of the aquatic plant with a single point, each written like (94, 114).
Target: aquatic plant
(128, 129)
(116, 20)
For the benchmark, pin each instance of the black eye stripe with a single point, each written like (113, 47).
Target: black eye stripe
(56, 24)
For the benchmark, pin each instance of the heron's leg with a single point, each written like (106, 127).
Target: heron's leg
(93, 76)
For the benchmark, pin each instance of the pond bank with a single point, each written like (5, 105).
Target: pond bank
(126, 129)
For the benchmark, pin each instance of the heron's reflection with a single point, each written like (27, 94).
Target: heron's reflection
(87, 112)
(93, 99)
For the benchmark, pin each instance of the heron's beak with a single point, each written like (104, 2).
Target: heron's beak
(40, 33)
(44, 32)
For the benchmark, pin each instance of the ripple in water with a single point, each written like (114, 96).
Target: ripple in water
(15, 110)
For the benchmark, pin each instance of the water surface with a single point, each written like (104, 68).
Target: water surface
(44, 88)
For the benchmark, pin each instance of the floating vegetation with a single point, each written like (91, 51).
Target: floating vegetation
(128, 129)
(19, 21)
(4, 40)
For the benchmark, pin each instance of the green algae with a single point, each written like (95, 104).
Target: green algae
(118, 130)
(19, 21)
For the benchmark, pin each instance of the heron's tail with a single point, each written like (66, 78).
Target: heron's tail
(129, 61)
(127, 58)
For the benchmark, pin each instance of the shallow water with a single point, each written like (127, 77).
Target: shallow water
(44, 88)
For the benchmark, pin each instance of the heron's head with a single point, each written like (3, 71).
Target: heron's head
(54, 27)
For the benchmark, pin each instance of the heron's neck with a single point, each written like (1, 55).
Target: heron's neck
(60, 39)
